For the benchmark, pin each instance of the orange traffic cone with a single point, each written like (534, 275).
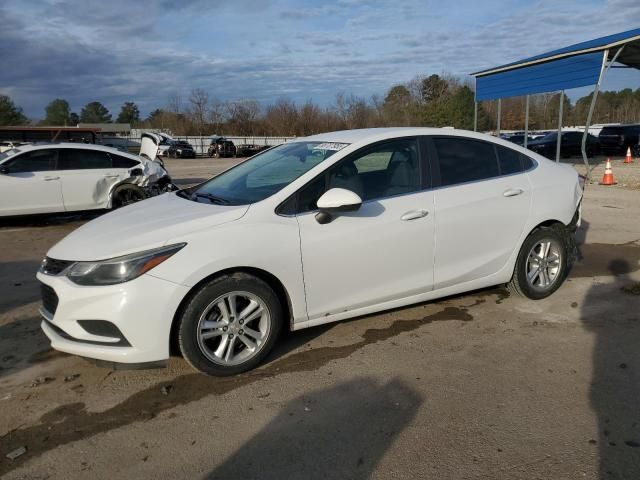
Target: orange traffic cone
(628, 158)
(607, 178)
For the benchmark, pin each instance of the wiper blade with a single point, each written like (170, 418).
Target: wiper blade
(212, 198)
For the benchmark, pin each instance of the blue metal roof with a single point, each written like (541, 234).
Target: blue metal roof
(569, 67)
(570, 72)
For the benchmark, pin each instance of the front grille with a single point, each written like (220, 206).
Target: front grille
(49, 298)
(51, 266)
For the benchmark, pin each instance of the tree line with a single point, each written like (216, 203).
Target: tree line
(432, 101)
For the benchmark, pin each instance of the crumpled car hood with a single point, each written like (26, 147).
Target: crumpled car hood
(144, 225)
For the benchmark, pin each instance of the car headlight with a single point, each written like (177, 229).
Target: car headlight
(119, 269)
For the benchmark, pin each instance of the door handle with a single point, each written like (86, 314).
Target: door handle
(48, 179)
(512, 192)
(413, 214)
(111, 176)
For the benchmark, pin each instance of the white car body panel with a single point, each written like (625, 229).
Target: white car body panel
(360, 263)
(467, 219)
(87, 189)
(30, 192)
(397, 261)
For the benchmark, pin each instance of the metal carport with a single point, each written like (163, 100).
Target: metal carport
(577, 65)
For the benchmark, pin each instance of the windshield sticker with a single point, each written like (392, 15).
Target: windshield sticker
(330, 146)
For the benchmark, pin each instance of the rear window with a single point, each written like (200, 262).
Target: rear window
(80, 159)
(511, 161)
(122, 162)
(464, 160)
(612, 131)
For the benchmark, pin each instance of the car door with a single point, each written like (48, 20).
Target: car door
(31, 184)
(483, 199)
(381, 252)
(87, 177)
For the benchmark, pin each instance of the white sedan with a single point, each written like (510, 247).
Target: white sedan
(63, 177)
(317, 230)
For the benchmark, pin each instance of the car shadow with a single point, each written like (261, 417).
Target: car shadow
(342, 431)
(612, 313)
(23, 344)
(18, 284)
(48, 219)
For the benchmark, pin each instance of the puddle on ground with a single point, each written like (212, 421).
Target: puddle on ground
(599, 259)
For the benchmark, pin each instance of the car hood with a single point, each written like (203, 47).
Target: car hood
(144, 225)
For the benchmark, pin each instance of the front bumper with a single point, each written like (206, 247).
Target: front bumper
(142, 310)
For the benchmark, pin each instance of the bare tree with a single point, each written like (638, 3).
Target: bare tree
(242, 116)
(217, 111)
(198, 108)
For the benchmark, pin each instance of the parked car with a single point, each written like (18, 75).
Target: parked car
(221, 147)
(164, 145)
(181, 149)
(62, 177)
(380, 219)
(249, 150)
(616, 139)
(519, 139)
(570, 145)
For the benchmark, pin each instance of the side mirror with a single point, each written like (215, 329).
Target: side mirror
(136, 172)
(334, 201)
(4, 170)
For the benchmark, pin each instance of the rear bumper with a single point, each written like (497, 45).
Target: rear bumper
(142, 311)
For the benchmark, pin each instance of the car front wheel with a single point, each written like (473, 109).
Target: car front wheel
(542, 264)
(230, 325)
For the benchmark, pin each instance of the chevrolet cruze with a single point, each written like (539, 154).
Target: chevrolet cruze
(317, 230)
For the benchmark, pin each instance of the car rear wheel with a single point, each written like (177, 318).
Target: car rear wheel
(126, 195)
(230, 325)
(542, 264)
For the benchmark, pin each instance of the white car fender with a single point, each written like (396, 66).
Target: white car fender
(234, 245)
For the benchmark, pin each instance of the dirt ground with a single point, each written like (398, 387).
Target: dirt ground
(476, 386)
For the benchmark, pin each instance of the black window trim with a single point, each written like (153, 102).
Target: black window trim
(426, 179)
(435, 161)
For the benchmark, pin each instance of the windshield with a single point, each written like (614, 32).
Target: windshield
(265, 174)
(550, 136)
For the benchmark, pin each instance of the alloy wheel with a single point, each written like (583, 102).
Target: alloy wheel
(233, 328)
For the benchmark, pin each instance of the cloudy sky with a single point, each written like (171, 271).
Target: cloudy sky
(145, 51)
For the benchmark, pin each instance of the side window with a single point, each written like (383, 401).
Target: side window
(527, 163)
(80, 159)
(391, 168)
(122, 162)
(464, 160)
(511, 161)
(34, 161)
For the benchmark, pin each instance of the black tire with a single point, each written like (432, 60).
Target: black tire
(519, 283)
(188, 337)
(125, 195)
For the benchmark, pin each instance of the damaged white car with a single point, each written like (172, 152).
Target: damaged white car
(64, 177)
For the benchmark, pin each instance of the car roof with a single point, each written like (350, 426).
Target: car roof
(368, 135)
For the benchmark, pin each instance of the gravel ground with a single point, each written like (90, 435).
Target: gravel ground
(481, 385)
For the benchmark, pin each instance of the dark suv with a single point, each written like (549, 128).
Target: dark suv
(570, 145)
(221, 147)
(617, 138)
(181, 149)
